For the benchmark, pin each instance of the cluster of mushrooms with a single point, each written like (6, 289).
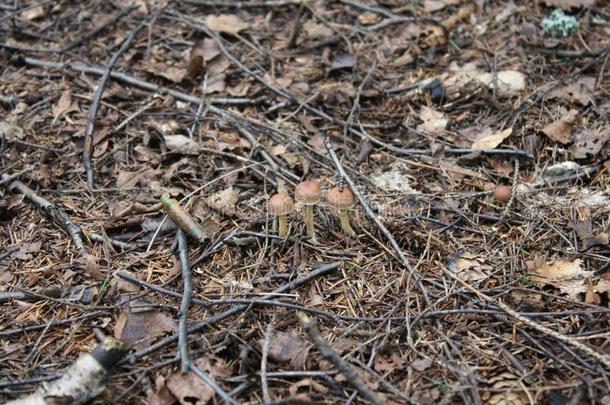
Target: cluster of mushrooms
(308, 193)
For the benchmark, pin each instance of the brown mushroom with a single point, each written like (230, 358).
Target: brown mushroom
(308, 193)
(343, 200)
(280, 205)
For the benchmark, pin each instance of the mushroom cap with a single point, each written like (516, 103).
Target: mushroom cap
(308, 192)
(281, 204)
(341, 199)
(502, 193)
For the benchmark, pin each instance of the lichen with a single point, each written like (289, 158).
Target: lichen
(559, 24)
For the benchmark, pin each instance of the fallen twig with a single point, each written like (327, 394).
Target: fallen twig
(24, 329)
(212, 384)
(326, 268)
(95, 105)
(182, 219)
(186, 300)
(51, 211)
(264, 357)
(602, 358)
(343, 366)
(142, 84)
(397, 250)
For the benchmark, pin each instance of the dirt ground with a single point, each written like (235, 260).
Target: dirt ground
(472, 135)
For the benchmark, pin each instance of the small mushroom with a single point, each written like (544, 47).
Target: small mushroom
(308, 193)
(281, 205)
(343, 200)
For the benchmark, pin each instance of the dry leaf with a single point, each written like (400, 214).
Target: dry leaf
(560, 130)
(224, 201)
(430, 6)
(588, 144)
(343, 61)
(63, 105)
(468, 266)
(11, 131)
(507, 82)
(180, 143)
(140, 325)
(421, 364)
(388, 363)
(368, 18)
(510, 390)
(188, 387)
(568, 276)
(160, 395)
(578, 92)
(568, 4)
(316, 30)
(434, 121)
(491, 141)
(287, 348)
(227, 23)
(458, 172)
(33, 13)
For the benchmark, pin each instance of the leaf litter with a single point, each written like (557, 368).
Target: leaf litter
(429, 107)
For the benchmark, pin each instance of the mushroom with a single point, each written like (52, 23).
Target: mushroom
(281, 205)
(308, 193)
(343, 200)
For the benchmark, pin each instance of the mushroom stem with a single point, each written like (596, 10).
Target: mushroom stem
(309, 221)
(345, 225)
(283, 226)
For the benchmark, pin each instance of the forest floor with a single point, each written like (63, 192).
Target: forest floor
(473, 134)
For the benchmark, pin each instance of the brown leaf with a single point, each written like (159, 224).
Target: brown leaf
(588, 144)
(368, 18)
(140, 325)
(457, 172)
(63, 105)
(388, 363)
(160, 395)
(568, 276)
(33, 13)
(227, 23)
(560, 130)
(25, 250)
(578, 92)
(421, 364)
(430, 6)
(469, 266)
(188, 387)
(181, 143)
(343, 61)
(224, 201)
(568, 4)
(307, 382)
(491, 141)
(287, 348)
(316, 30)
(434, 122)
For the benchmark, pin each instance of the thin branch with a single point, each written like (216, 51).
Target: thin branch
(264, 357)
(602, 358)
(95, 105)
(343, 366)
(397, 250)
(322, 270)
(186, 300)
(51, 211)
(212, 384)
